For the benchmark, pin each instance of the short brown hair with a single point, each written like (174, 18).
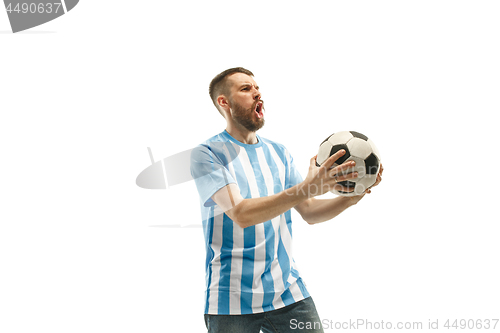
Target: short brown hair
(219, 86)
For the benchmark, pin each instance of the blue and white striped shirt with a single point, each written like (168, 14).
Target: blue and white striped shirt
(248, 270)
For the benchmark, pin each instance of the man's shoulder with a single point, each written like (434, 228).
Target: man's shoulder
(214, 142)
(216, 138)
(219, 146)
(275, 144)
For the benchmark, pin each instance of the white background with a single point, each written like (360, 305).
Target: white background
(83, 249)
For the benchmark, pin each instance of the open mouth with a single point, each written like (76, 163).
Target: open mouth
(259, 109)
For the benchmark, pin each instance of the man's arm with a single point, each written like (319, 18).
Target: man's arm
(320, 210)
(315, 210)
(248, 212)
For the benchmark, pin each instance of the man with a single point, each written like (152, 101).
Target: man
(247, 186)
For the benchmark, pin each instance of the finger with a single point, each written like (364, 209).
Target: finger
(377, 181)
(349, 176)
(312, 162)
(344, 166)
(332, 159)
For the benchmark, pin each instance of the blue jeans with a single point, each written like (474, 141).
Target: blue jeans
(297, 317)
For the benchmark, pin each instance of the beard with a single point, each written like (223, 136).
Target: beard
(244, 117)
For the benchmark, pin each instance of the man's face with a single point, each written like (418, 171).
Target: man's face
(245, 103)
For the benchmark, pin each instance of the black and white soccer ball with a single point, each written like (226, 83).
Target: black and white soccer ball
(359, 149)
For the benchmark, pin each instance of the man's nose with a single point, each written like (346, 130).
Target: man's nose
(256, 94)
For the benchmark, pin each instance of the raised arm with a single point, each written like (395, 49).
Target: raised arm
(248, 212)
(315, 210)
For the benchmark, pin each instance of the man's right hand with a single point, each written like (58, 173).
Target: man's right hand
(322, 179)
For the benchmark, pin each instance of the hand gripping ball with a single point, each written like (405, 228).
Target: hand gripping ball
(359, 149)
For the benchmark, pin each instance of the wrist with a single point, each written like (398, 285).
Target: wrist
(306, 191)
(354, 199)
(300, 192)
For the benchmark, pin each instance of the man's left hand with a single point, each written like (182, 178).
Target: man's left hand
(379, 179)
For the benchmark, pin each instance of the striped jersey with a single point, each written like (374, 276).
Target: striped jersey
(248, 270)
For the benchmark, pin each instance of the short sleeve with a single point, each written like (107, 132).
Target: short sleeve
(294, 175)
(209, 173)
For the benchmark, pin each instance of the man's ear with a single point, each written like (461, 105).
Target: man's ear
(224, 107)
(223, 102)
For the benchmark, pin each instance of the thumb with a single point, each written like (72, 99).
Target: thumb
(313, 160)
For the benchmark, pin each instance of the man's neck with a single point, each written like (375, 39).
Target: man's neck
(242, 135)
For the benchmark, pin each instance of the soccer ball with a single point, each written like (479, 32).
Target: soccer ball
(359, 149)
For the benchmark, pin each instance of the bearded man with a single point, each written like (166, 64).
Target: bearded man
(247, 186)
